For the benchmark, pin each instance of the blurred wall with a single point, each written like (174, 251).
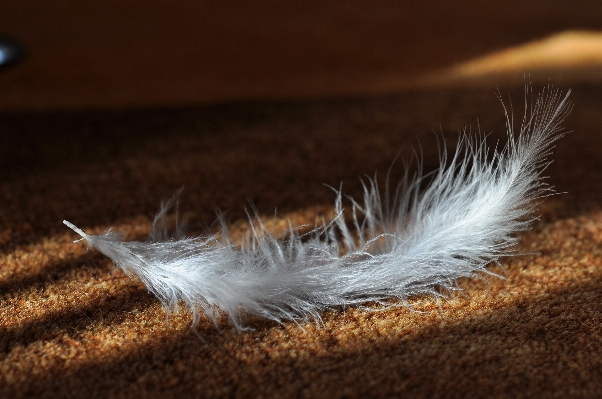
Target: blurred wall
(139, 53)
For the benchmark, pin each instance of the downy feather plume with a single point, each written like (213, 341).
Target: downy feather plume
(434, 229)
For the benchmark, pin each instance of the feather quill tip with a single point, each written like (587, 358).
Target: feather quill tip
(77, 230)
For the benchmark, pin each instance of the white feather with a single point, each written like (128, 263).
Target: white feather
(435, 229)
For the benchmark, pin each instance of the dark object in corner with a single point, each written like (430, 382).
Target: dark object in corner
(11, 51)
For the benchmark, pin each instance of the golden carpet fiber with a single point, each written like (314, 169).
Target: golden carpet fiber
(72, 325)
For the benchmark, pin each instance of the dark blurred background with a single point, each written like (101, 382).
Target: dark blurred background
(116, 54)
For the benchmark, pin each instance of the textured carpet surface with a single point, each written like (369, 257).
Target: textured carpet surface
(73, 325)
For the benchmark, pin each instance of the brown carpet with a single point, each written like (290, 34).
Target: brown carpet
(72, 325)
